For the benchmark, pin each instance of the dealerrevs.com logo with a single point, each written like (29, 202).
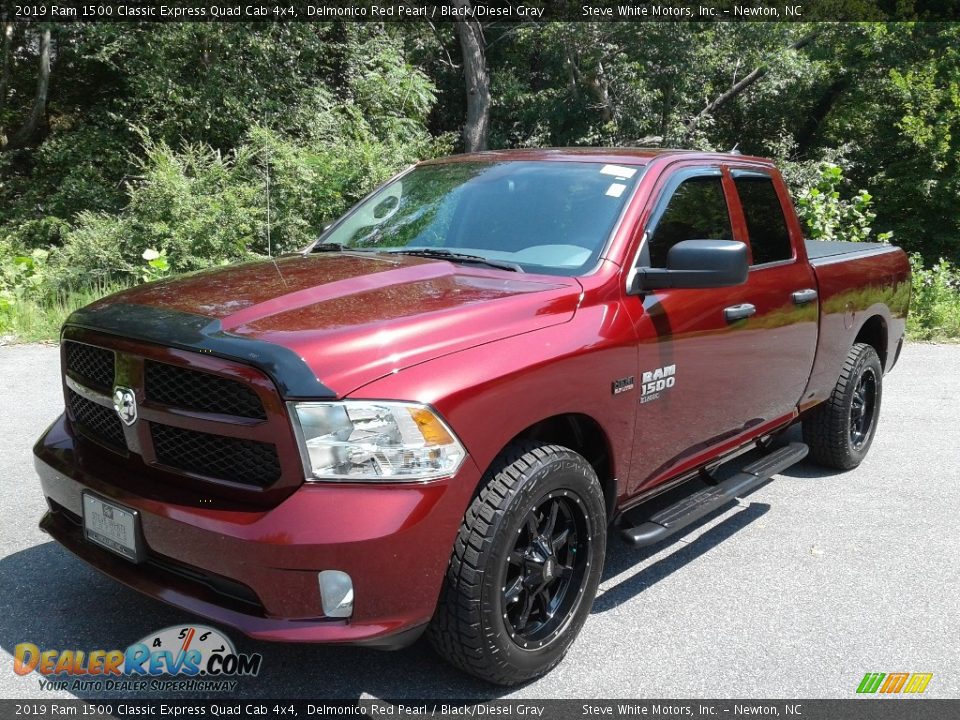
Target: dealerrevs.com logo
(894, 683)
(192, 657)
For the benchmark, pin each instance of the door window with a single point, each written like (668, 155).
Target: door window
(766, 225)
(697, 210)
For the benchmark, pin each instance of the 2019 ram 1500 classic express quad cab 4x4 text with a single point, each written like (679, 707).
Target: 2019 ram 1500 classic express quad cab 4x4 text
(432, 417)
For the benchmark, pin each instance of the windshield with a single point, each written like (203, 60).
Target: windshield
(548, 216)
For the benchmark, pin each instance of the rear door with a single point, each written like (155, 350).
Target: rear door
(716, 366)
(782, 289)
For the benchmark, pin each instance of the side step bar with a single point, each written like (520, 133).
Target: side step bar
(703, 502)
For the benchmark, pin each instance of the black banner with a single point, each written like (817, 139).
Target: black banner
(850, 709)
(482, 10)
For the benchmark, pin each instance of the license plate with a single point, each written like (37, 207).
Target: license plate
(111, 526)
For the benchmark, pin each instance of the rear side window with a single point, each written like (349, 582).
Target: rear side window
(769, 237)
(697, 210)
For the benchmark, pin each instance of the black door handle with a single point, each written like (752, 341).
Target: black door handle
(802, 297)
(739, 312)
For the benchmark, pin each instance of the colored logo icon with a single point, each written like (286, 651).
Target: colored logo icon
(893, 683)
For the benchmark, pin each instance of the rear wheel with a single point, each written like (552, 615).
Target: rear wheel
(525, 566)
(841, 430)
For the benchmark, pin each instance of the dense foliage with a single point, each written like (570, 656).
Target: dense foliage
(154, 145)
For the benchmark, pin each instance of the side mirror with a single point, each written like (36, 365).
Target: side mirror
(696, 264)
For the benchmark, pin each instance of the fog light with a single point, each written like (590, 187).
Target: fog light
(336, 593)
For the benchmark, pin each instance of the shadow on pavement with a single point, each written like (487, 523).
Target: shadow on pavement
(806, 469)
(621, 556)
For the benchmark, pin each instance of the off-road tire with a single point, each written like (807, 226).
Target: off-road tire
(828, 428)
(470, 628)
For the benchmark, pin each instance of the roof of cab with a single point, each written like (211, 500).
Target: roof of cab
(621, 155)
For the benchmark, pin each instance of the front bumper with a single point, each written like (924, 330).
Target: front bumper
(256, 569)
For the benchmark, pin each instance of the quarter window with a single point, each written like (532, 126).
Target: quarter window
(766, 225)
(697, 210)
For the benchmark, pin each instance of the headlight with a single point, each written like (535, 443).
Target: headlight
(366, 440)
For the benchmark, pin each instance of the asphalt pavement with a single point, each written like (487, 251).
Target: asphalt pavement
(795, 592)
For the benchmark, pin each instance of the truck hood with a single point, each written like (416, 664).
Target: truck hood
(349, 318)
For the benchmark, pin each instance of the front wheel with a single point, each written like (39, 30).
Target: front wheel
(525, 566)
(840, 431)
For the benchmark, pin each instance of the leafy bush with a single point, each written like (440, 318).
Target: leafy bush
(156, 265)
(191, 206)
(322, 112)
(20, 276)
(199, 207)
(826, 215)
(935, 303)
(75, 169)
(33, 303)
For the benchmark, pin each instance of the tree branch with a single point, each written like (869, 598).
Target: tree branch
(742, 84)
(436, 34)
(513, 30)
(443, 48)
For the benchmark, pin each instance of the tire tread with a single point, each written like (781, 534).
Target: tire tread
(455, 631)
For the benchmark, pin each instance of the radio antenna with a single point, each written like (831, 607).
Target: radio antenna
(267, 149)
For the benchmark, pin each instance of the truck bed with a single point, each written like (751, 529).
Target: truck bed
(819, 251)
(855, 281)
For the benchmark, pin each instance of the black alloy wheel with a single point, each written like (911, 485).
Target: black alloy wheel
(546, 570)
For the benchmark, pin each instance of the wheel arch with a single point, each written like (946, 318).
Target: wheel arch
(584, 435)
(873, 332)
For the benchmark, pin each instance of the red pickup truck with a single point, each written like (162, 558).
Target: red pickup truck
(433, 417)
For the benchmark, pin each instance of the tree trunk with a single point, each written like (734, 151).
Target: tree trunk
(573, 72)
(25, 134)
(600, 89)
(596, 84)
(5, 61)
(808, 132)
(477, 126)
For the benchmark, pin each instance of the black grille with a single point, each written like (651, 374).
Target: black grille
(225, 458)
(229, 589)
(99, 422)
(226, 587)
(94, 365)
(202, 391)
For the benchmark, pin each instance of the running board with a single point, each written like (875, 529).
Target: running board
(703, 502)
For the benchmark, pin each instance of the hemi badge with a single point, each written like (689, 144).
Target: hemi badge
(622, 385)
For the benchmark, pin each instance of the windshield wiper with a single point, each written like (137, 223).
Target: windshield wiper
(328, 247)
(340, 247)
(441, 254)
